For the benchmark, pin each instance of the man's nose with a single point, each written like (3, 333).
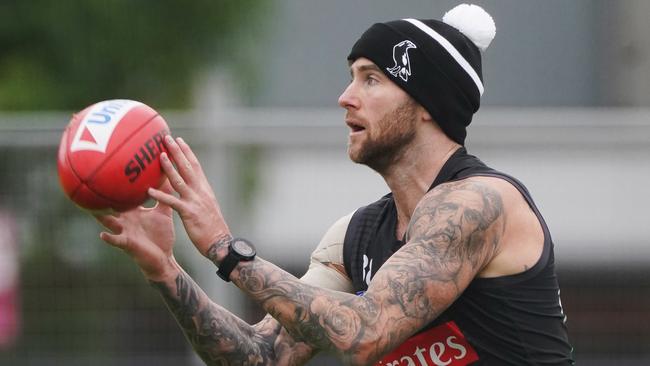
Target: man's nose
(348, 98)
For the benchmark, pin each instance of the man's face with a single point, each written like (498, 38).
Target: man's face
(380, 115)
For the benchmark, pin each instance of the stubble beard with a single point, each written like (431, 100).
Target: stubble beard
(396, 132)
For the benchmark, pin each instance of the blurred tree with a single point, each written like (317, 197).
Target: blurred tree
(80, 299)
(68, 54)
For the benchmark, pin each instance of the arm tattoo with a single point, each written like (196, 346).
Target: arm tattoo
(220, 338)
(220, 245)
(451, 236)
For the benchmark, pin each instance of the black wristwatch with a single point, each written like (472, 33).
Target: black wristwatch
(238, 250)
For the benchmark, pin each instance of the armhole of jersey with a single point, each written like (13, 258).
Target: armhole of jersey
(350, 250)
(546, 254)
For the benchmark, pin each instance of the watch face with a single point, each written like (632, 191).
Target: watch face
(243, 248)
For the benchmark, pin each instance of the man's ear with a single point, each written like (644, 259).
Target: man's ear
(425, 116)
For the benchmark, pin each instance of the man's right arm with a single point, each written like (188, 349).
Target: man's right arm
(221, 338)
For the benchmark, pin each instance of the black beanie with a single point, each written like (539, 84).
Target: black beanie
(434, 62)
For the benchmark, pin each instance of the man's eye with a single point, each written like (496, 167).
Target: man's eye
(371, 80)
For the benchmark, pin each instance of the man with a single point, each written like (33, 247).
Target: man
(453, 267)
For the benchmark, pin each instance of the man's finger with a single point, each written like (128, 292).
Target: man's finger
(189, 154)
(178, 156)
(162, 207)
(118, 241)
(166, 199)
(177, 182)
(109, 222)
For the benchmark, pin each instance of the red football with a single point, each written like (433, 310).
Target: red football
(108, 156)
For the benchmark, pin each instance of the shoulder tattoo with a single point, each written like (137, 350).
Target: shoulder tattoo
(458, 222)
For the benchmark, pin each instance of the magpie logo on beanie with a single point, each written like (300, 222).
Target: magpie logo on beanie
(438, 63)
(402, 67)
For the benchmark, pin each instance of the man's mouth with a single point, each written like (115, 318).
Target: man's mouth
(354, 126)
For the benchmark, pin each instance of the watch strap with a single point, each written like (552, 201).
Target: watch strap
(227, 265)
(236, 254)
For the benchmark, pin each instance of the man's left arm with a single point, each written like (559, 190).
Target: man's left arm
(452, 235)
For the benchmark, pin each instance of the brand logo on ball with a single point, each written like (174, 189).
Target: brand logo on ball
(95, 130)
(146, 155)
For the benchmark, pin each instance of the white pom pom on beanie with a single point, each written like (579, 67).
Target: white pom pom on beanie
(474, 22)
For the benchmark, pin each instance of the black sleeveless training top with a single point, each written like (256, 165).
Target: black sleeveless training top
(509, 320)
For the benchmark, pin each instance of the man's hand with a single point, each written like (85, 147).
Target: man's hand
(196, 203)
(147, 235)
